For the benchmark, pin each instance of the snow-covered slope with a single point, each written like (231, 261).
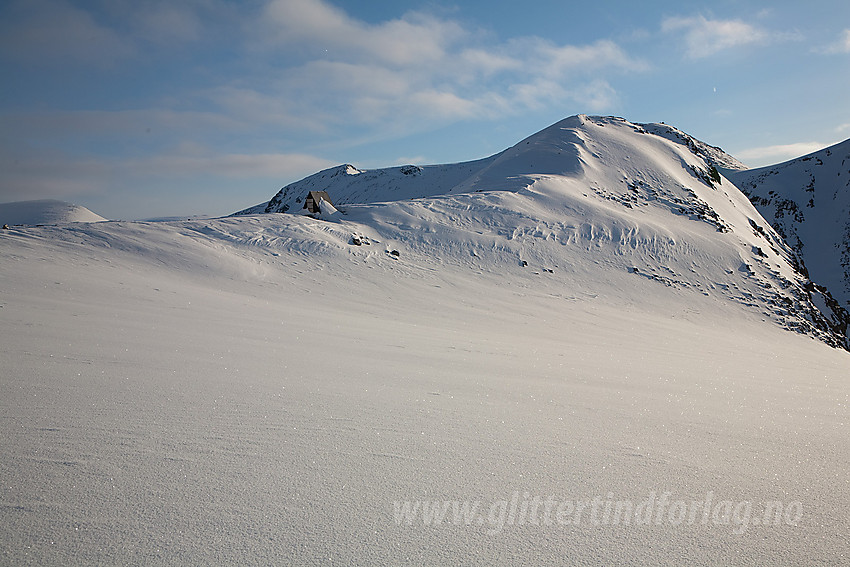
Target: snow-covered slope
(807, 201)
(45, 211)
(257, 390)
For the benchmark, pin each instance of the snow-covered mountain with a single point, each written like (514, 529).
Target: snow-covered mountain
(45, 211)
(807, 201)
(573, 352)
(643, 199)
(351, 185)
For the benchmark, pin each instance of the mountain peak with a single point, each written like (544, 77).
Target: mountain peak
(641, 199)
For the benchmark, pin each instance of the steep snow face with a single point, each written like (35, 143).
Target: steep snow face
(712, 154)
(47, 211)
(596, 198)
(807, 201)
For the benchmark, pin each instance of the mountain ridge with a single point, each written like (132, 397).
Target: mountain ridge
(413, 181)
(608, 192)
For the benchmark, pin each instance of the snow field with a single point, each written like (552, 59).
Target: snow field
(198, 401)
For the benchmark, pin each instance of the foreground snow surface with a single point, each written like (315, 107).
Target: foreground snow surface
(233, 392)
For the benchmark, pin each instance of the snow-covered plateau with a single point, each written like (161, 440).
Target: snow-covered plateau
(588, 349)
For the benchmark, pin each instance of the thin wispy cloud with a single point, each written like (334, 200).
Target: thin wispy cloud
(841, 45)
(57, 173)
(704, 37)
(238, 166)
(426, 70)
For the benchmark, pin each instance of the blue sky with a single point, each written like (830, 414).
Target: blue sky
(140, 109)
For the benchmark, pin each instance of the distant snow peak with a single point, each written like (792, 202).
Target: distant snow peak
(45, 211)
(347, 169)
(807, 201)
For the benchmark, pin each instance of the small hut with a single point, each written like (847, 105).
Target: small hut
(311, 203)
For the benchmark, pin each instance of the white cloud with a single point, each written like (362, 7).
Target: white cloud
(705, 37)
(419, 71)
(414, 39)
(842, 127)
(841, 45)
(560, 60)
(596, 96)
(767, 155)
(488, 62)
